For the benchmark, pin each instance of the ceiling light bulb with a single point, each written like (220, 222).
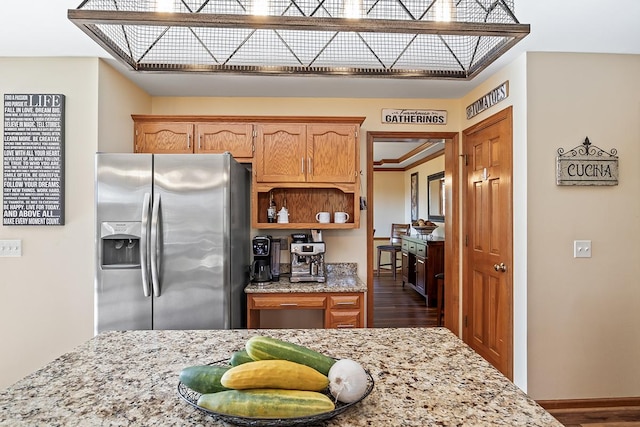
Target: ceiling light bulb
(261, 7)
(164, 6)
(352, 9)
(443, 10)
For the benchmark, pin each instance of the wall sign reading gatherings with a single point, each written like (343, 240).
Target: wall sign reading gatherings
(415, 117)
(33, 162)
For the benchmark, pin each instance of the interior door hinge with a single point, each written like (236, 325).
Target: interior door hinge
(466, 240)
(465, 320)
(465, 158)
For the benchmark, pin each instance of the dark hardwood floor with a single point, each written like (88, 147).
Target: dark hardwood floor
(400, 307)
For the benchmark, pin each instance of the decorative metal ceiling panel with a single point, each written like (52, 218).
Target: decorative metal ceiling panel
(394, 38)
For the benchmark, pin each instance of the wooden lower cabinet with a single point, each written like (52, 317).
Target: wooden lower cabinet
(341, 309)
(421, 261)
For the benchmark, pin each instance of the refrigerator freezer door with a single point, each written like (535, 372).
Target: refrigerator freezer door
(191, 254)
(122, 180)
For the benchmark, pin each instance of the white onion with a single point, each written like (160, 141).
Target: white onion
(347, 380)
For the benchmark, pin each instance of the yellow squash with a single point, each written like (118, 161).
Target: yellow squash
(274, 374)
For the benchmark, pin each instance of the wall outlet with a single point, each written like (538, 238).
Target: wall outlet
(582, 248)
(10, 248)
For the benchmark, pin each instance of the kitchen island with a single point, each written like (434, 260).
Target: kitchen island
(423, 377)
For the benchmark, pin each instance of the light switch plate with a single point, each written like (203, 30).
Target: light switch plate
(10, 248)
(582, 248)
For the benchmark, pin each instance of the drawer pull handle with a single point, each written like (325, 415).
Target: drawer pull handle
(346, 303)
(288, 304)
(345, 326)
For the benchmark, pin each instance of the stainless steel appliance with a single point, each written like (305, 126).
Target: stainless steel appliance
(172, 242)
(261, 267)
(307, 262)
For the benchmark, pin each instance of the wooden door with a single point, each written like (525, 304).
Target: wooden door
(488, 280)
(169, 137)
(331, 153)
(280, 153)
(236, 138)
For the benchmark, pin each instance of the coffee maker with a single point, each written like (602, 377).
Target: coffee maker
(307, 259)
(261, 267)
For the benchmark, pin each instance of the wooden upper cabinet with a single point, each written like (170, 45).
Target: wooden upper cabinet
(331, 153)
(280, 153)
(321, 153)
(160, 137)
(236, 138)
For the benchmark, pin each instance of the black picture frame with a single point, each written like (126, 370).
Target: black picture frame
(414, 196)
(435, 197)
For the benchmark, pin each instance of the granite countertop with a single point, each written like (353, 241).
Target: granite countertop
(340, 277)
(423, 377)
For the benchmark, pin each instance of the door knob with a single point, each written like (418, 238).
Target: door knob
(500, 267)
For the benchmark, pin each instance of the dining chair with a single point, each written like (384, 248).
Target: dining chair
(393, 248)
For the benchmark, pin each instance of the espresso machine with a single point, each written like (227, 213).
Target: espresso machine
(307, 260)
(261, 267)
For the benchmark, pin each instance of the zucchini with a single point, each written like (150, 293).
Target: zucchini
(280, 374)
(204, 379)
(265, 403)
(240, 357)
(265, 348)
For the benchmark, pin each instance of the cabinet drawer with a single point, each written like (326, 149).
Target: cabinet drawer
(421, 250)
(405, 245)
(344, 301)
(344, 319)
(412, 247)
(266, 302)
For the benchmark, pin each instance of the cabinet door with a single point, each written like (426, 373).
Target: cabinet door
(344, 319)
(421, 275)
(331, 153)
(236, 138)
(405, 267)
(280, 153)
(170, 137)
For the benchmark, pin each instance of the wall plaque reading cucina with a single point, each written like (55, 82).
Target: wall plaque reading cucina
(587, 165)
(33, 159)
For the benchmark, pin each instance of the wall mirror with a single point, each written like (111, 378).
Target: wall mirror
(435, 197)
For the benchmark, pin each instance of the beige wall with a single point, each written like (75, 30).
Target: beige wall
(575, 321)
(424, 170)
(46, 296)
(118, 98)
(389, 195)
(584, 314)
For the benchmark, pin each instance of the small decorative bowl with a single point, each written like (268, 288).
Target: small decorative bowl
(424, 230)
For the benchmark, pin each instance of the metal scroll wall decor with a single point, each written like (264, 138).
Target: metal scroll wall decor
(587, 164)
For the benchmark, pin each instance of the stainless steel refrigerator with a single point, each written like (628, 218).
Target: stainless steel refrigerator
(172, 241)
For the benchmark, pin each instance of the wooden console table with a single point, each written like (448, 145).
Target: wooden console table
(422, 259)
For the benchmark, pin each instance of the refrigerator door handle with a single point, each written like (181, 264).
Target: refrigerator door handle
(144, 245)
(155, 264)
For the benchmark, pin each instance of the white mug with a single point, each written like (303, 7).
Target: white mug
(341, 217)
(323, 217)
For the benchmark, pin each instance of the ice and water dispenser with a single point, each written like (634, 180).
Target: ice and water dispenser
(120, 243)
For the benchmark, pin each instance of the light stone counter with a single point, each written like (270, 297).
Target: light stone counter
(423, 377)
(339, 278)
